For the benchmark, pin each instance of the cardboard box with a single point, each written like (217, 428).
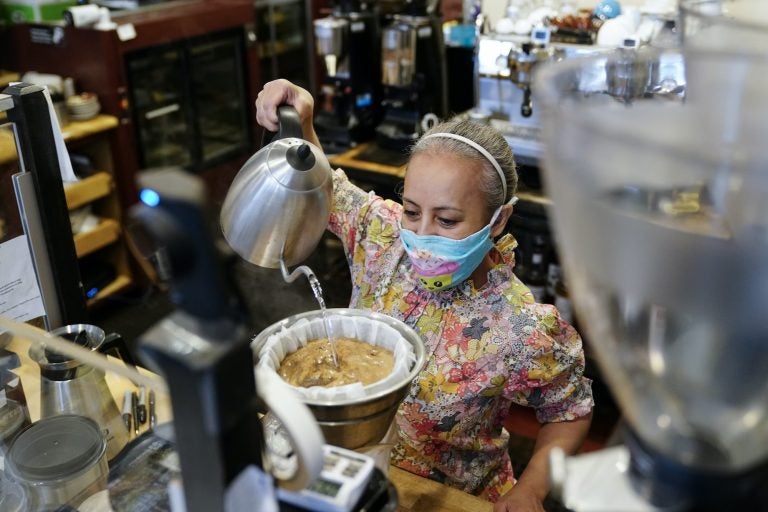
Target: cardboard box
(22, 11)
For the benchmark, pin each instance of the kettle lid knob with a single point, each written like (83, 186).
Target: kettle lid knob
(300, 157)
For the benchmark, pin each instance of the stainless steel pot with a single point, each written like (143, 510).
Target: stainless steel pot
(356, 422)
(280, 198)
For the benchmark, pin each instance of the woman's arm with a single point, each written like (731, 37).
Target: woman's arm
(533, 485)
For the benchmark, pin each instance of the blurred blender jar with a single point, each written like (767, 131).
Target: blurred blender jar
(739, 25)
(660, 209)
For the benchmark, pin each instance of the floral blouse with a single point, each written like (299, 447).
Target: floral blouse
(486, 349)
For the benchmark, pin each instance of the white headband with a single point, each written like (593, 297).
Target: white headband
(478, 147)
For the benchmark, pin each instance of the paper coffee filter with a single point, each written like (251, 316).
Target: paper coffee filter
(290, 339)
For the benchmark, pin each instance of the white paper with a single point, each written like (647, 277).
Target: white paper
(65, 164)
(19, 293)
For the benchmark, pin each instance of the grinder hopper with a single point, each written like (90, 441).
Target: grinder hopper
(661, 215)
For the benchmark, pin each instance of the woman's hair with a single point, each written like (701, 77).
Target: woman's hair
(488, 138)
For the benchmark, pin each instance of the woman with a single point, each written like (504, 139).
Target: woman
(432, 263)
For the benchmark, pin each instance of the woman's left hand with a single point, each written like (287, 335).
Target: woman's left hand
(519, 499)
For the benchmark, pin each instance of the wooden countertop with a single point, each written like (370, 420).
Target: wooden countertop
(417, 494)
(29, 373)
(74, 130)
(350, 159)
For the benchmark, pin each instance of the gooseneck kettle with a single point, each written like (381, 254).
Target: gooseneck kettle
(280, 199)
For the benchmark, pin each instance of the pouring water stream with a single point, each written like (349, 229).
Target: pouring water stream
(317, 291)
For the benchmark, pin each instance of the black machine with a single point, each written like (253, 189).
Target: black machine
(48, 229)
(203, 350)
(349, 42)
(413, 74)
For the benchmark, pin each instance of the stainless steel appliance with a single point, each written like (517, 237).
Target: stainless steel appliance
(413, 74)
(506, 65)
(349, 42)
(523, 59)
(277, 207)
(660, 214)
(504, 71)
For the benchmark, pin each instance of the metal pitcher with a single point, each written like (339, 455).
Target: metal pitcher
(280, 199)
(68, 386)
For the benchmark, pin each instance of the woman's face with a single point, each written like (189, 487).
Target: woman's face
(441, 196)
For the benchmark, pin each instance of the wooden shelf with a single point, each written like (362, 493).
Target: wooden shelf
(75, 130)
(7, 145)
(119, 284)
(6, 77)
(534, 197)
(107, 232)
(89, 189)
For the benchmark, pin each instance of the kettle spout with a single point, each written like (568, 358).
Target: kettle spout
(297, 272)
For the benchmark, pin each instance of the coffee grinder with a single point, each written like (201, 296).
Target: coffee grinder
(349, 42)
(413, 74)
(660, 217)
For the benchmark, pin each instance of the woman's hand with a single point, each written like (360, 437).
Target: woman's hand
(533, 485)
(282, 92)
(519, 499)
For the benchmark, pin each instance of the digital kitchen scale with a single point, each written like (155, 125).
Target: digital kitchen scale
(344, 477)
(379, 495)
(348, 481)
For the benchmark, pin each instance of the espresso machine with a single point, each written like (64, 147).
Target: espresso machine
(349, 42)
(505, 68)
(414, 75)
(524, 58)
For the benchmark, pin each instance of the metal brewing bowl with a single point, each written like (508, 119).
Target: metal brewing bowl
(357, 422)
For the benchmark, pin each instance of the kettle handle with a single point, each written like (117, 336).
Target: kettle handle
(289, 125)
(113, 342)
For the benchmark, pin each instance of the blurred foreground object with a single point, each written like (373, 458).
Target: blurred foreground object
(661, 215)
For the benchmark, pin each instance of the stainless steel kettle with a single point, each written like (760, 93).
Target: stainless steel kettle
(281, 198)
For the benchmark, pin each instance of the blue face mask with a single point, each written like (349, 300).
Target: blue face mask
(442, 262)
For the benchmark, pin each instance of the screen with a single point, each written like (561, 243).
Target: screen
(325, 487)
